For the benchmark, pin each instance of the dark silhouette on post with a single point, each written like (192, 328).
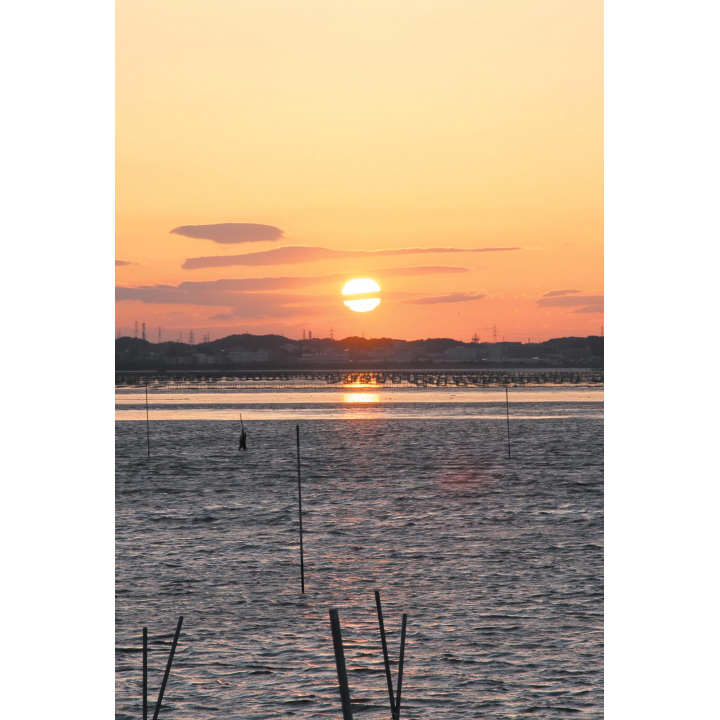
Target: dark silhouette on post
(243, 436)
(167, 668)
(507, 408)
(385, 653)
(400, 669)
(145, 688)
(302, 556)
(147, 418)
(340, 663)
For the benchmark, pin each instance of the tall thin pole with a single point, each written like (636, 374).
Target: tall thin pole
(145, 673)
(400, 669)
(167, 668)
(147, 417)
(507, 408)
(385, 652)
(302, 555)
(340, 663)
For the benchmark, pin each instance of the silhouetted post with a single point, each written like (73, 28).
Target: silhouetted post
(507, 408)
(302, 556)
(385, 652)
(340, 663)
(144, 673)
(400, 669)
(167, 668)
(147, 417)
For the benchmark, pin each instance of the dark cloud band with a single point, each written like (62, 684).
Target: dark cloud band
(455, 297)
(298, 254)
(230, 233)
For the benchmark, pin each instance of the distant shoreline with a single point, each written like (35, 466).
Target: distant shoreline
(444, 378)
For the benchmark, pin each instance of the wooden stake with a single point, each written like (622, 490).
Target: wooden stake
(167, 668)
(385, 652)
(340, 663)
(147, 418)
(400, 669)
(507, 408)
(145, 664)
(302, 556)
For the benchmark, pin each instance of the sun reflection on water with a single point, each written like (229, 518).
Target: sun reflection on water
(361, 397)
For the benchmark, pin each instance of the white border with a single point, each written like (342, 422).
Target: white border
(661, 196)
(58, 193)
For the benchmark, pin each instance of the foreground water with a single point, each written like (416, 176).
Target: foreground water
(497, 562)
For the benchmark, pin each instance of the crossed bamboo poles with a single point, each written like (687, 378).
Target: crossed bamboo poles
(395, 700)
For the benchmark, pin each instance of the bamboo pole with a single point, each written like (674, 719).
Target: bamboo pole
(302, 555)
(385, 652)
(145, 668)
(507, 409)
(340, 663)
(400, 669)
(147, 418)
(167, 669)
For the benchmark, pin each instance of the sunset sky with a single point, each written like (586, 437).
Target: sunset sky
(463, 139)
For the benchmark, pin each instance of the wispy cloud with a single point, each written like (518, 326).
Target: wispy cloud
(231, 233)
(455, 297)
(253, 296)
(298, 254)
(558, 293)
(284, 283)
(123, 263)
(251, 305)
(571, 301)
(582, 303)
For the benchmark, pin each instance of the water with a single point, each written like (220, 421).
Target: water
(497, 562)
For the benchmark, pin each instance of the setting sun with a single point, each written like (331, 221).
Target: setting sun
(361, 286)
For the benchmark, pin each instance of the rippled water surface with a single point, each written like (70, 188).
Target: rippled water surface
(497, 562)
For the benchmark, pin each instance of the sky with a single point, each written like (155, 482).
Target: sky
(269, 151)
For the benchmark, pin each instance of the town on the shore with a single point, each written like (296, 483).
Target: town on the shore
(277, 351)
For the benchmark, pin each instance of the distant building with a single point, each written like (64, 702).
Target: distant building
(462, 353)
(248, 356)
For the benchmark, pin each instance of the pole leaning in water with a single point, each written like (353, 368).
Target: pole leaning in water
(158, 704)
(507, 408)
(398, 697)
(147, 418)
(340, 663)
(145, 650)
(302, 556)
(378, 604)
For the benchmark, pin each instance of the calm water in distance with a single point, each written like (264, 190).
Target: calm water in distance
(497, 562)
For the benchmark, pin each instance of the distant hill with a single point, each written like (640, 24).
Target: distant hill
(277, 351)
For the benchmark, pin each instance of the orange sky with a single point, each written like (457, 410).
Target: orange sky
(362, 126)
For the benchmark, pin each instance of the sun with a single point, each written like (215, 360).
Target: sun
(361, 286)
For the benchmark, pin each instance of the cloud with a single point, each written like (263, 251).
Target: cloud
(581, 303)
(298, 254)
(284, 283)
(572, 300)
(251, 296)
(439, 299)
(558, 293)
(231, 233)
(123, 263)
(252, 305)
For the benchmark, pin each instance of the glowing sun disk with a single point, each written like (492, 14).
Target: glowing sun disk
(361, 286)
